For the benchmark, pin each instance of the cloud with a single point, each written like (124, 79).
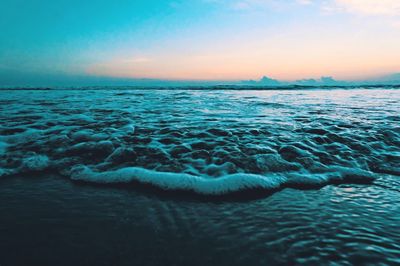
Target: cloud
(363, 7)
(366, 7)
(253, 4)
(139, 60)
(304, 2)
(396, 24)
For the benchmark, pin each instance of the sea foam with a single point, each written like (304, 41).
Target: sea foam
(216, 186)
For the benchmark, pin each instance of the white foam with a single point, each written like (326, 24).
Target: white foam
(210, 186)
(35, 163)
(179, 181)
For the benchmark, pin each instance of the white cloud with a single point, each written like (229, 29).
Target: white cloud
(366, 7)
(251, 4)
(363, 7)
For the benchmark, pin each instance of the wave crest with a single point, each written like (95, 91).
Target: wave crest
(217, 186)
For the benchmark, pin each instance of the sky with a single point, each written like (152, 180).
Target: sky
(198, 39)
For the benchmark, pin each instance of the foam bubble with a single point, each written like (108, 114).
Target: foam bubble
(35, 162)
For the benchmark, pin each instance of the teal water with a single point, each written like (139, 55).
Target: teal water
(51, 221)
(155, 177)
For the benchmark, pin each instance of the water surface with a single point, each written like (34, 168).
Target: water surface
(257, 149)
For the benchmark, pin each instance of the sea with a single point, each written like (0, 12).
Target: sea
(200, 176)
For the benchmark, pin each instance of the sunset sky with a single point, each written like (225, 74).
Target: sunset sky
(201, 39)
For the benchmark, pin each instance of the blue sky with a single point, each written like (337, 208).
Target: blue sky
(200, 39)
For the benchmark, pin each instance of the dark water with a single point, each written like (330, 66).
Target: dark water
(165, 158)
(50, 221)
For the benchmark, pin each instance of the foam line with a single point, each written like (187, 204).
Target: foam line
(211, 186)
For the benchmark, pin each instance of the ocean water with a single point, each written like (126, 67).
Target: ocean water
(182, 176)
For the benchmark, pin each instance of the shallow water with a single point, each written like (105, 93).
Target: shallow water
(204, 143)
